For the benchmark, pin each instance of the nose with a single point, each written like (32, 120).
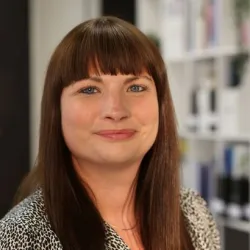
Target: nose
(115, 107)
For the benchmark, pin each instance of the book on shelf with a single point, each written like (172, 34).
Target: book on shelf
(225, 188)
(196, 174)
(199, 177)
(203, 24)
(173, 27)
(232, 192)
(203, 115)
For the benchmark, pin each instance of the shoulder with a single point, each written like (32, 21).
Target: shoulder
(24, 226)
(200, 222)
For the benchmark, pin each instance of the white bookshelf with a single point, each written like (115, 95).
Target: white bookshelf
(234, 224)
(183, 69)
(240, 138)
(205, 54)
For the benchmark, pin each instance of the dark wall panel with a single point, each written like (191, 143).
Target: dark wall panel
(122, 9)
(235, 239)
(14, 99)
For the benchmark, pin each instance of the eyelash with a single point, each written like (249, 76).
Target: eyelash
(83, 90)
(143, 87)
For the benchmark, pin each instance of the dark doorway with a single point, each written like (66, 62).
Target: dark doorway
(122, 9)
(14, 99)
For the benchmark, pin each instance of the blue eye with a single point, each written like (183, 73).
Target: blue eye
(89, 90)
(136, 88)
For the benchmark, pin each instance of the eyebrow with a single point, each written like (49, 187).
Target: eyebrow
(127, 80)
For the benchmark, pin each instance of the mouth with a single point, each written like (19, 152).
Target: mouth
(121, 134)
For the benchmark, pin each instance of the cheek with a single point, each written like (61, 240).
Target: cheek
(77, 122)
(147, 112)
(76, 117)
(70, 114)
(148, 117)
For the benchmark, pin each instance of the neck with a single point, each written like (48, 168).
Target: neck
(113, 190)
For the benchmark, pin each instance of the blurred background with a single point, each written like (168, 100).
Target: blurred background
(205, 44)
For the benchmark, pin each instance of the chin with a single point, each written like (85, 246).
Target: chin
(119, 158)
(118, 154)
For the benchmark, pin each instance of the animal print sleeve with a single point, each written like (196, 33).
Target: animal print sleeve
(200, 222)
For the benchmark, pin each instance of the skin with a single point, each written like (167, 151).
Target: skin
(108, 161)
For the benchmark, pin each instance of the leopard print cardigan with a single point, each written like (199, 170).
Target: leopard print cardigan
(26, 226)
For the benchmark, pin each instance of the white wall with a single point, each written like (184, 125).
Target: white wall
(147, 16)
(50, 20)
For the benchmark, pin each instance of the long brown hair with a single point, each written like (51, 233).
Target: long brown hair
(111, 46)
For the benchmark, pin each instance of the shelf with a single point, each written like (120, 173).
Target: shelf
(239, 225)
(204, 54)
(213, 53)
(242, 138)
(199, 136)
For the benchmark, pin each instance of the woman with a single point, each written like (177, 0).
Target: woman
(107, 172)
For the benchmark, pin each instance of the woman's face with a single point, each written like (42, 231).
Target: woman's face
(110, 119)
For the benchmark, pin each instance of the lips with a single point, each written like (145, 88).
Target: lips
(117, 134)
